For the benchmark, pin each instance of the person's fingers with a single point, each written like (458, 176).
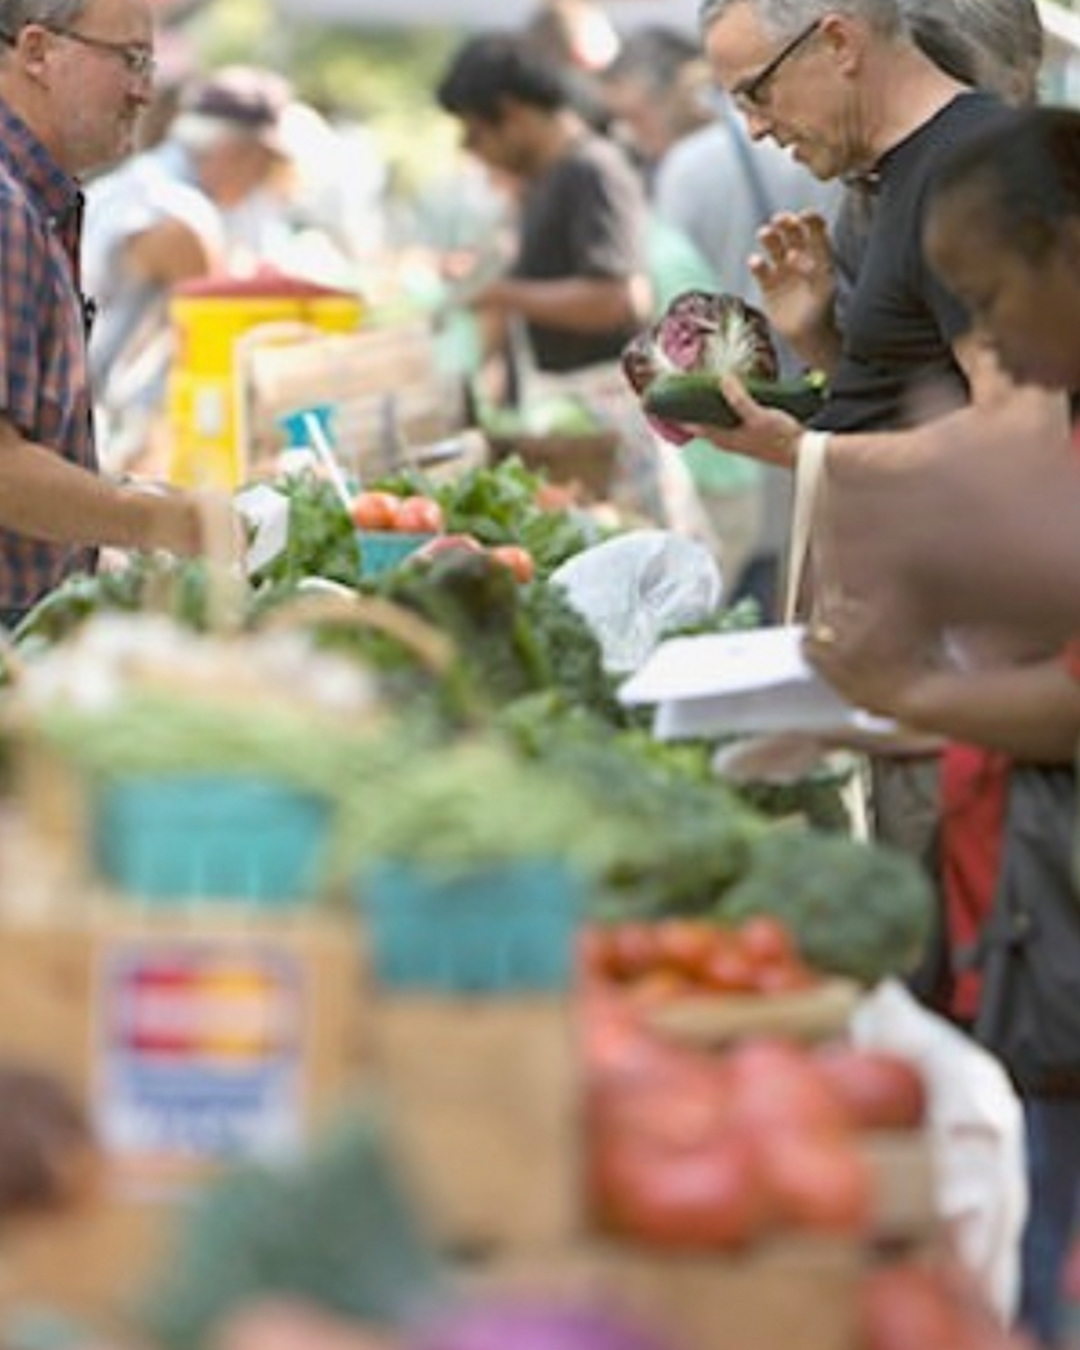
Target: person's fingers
(817, 234)
(771, 241)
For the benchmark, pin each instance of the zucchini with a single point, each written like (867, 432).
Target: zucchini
(692, 396)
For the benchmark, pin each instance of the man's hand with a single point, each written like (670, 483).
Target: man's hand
(797, 277)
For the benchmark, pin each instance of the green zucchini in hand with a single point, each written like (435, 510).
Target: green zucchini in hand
(694, 396)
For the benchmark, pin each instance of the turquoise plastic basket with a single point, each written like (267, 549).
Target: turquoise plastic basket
(382, 549)
(178, 838)
(501, 929)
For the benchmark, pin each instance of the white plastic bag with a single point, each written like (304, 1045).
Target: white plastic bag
(633, 589)
(976, 1129)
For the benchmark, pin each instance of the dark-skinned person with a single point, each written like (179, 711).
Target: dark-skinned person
(1002, 229)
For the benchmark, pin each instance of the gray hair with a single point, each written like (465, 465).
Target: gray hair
(16, 14)
(784, 18)
(995, 44)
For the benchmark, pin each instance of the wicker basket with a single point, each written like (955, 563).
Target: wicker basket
(589, 461)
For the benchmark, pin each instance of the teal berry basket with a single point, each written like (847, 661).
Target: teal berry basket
(177, 838)
(499, 929)
(380, 550)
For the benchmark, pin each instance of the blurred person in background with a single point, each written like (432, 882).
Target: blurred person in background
(655, 89)
(579, 279)
(74, 78)
(556, 317)
(579, 38)
(170, 214)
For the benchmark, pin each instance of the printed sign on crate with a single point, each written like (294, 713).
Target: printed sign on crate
(198, 1056)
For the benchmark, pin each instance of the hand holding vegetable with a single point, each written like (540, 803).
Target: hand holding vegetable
(709, 368)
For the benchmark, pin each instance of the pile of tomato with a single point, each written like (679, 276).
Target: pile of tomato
(380, 512)
(413, 514)
(679, 956)
(698, 1149)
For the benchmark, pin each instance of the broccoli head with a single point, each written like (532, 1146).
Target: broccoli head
(855, 909)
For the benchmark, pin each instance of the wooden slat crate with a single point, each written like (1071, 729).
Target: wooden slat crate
(383, 383)
(484, 1095)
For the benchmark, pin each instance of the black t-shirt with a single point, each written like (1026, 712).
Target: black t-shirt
(585, 217)
(900, 321)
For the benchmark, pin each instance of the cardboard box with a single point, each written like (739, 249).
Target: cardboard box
(485, 1104)
(905, 1195)
(189, 1046)
(790, 1293)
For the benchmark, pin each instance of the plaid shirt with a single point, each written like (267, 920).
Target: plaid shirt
(44, 388)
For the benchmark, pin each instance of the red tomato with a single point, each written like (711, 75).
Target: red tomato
(519, 560)
(419, 515)
(448, 543)
(595, 952)
(878, 1090)
(726, 970)
(708, 1197)
(816, 1180)
(912, 1306)
(685, 944)
(766, 940)
(776, 1083)
(374, 510)
(661, 985)
(784, 978)
(635, 950)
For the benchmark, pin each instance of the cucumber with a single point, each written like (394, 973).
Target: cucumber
(690, 396)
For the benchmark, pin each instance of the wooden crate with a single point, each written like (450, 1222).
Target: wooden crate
(187, 1045)
(905, 1194)
(383, 383)
(485, 1103)
(787, 1292)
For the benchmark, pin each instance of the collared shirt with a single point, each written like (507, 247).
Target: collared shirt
(44, 385)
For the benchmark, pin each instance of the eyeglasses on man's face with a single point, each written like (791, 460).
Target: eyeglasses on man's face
(137, 57)
(752, 95)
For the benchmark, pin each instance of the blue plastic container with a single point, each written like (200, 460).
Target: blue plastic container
(382, 549)
(184, 837)
(501, 929)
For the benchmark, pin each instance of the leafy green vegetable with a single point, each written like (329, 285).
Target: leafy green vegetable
(321, 540)
(337, 1229)
(177, 587)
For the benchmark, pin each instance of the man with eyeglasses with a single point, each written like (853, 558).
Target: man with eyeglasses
(74, 78)
(847, 91)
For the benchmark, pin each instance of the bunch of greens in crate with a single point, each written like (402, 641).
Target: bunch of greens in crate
(501, 505)
(511, 639)
(682, 836)
(321, 539)
(172, 586)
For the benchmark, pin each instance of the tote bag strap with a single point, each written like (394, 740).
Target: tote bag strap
(808, 470)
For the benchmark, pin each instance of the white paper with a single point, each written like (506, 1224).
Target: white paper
(267, 512)
(741, 683)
